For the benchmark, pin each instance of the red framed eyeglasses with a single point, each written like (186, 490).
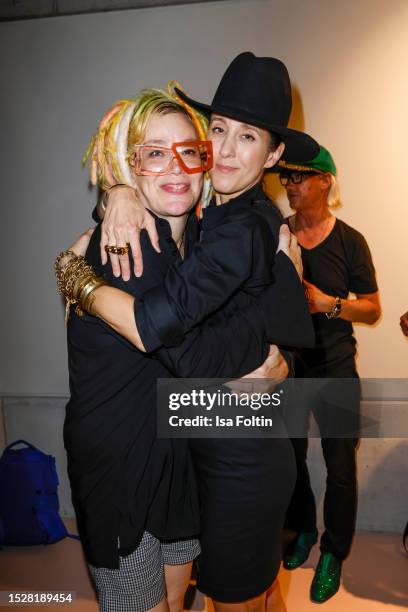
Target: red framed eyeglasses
(193, 156)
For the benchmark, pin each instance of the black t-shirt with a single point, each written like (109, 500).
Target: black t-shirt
(340, 264)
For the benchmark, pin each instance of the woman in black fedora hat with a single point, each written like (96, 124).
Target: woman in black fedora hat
(245, 484)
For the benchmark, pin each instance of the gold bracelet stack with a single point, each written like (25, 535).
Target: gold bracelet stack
(77, 281)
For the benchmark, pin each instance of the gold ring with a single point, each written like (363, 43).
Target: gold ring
(117, 250)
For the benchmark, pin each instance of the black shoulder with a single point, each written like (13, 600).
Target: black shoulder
(351, 235)
(271, 215)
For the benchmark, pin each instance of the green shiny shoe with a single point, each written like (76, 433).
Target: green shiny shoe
(299, 550)
(326, 581)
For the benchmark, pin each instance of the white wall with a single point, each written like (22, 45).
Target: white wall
(381, 462)
(349, 64)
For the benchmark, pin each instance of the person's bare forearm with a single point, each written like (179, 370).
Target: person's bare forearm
(365, 308)
(360, 311)
(116, 308)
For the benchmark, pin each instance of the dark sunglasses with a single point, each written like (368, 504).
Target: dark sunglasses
(295, 177)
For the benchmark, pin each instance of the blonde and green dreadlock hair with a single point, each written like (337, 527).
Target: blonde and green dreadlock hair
(124, 125)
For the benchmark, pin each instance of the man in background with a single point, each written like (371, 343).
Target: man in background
(337, 262)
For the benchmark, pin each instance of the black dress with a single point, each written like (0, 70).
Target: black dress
(245, 485)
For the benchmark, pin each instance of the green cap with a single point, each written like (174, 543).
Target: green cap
(323, 162)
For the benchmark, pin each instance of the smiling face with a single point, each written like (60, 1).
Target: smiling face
(241, 154)
(175, 193)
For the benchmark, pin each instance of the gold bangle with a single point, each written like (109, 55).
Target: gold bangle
(57, 265)
(76, 281)
(83, 301)
(70, 276)
(78, 285)
(87, 295)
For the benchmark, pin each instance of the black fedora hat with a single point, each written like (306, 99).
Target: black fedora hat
(257, 91)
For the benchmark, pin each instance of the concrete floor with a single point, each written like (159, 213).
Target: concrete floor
(375, 577)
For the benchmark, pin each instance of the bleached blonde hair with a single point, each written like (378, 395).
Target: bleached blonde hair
(333, 197)
(123, 126)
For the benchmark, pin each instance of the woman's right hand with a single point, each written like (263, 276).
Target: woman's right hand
(125, 216)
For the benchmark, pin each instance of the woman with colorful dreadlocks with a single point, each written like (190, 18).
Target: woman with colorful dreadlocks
(134, 495)
(245, 485)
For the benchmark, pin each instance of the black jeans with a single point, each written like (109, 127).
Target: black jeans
(340, 500)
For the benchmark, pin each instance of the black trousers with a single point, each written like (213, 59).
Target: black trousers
(339, 451)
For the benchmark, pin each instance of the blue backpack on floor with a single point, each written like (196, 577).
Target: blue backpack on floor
(28, 498)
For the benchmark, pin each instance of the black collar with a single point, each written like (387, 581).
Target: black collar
(214, 215)
(164, 230)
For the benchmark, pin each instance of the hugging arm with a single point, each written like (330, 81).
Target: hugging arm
(198, 292)
(217, 267)
(161, 319)
(280, 310)
(233, 345)
(167, 311)
(225, 345)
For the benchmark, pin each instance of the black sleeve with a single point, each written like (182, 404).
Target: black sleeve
(362, 272)
(284, 309)
(202, 283)
(223, 346)
(233, 345)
